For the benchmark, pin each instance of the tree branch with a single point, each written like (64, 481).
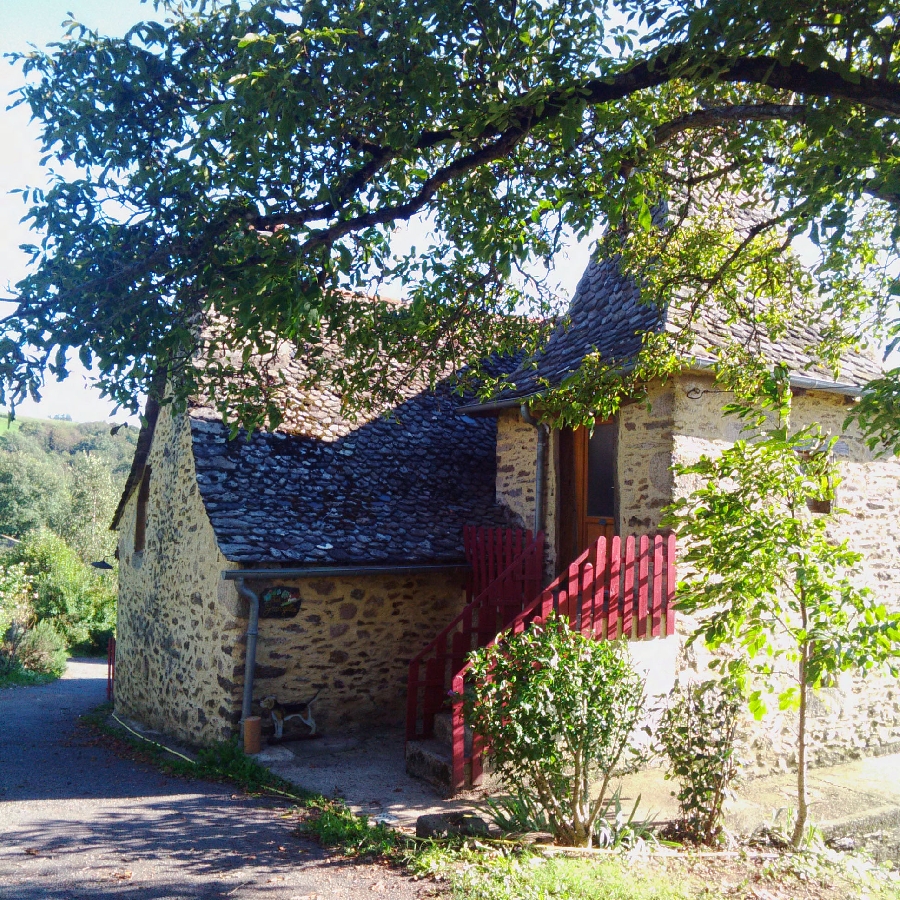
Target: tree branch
(874, 93)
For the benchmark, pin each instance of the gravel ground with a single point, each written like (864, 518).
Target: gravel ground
(78, 822)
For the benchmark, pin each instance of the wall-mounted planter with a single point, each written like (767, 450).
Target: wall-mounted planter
(279, 603)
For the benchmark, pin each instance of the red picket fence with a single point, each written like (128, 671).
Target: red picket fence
(110, 668)
(506, 577)
(614, 589)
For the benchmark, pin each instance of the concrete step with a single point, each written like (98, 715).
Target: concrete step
(431, 761)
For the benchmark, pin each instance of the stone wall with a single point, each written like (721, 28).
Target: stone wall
(645, 460)
(516, 466)
(644, 477)
(182, 628)
(178, 622)
(352, 641)
(855, 717)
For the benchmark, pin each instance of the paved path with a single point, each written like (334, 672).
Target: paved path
(77, 822)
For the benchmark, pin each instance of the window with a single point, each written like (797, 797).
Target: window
(601, 471)
(140, 523)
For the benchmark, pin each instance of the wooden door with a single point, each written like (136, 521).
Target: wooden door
(587, 488)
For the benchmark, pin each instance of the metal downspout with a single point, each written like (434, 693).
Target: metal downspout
(250, 657)
(540, 466)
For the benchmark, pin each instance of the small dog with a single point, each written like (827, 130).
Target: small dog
(281, 712)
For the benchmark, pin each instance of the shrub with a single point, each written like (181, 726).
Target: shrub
(75, 598)
(558, 711)
(16, 613)
(43, 649)
(696, 734)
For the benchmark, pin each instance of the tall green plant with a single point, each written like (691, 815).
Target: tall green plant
(774, 591)
(697, 735)
(16, 613)
(79, 601)
(558, 711)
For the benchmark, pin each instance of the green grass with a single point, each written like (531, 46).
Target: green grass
(20, 677)
(477, 869)
(522, 876)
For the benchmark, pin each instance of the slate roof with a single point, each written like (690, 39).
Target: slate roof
(607, 316)
(389, 491)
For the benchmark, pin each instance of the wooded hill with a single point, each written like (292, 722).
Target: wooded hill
(65, 476)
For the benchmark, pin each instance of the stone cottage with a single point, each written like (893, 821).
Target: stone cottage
(618, 479)
(351, 533)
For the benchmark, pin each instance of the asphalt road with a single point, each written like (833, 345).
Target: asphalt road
(78, 822)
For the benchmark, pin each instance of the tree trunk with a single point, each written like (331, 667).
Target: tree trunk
(802, 804)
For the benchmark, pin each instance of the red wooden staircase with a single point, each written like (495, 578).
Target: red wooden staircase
(506, 576)
(616, 588)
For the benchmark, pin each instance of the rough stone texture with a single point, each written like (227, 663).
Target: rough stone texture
(516, 460)
(178, 622)
(516, 468)
(352, 641)
(644, 479)
(181, 633)
(856, 717)
(644, 463)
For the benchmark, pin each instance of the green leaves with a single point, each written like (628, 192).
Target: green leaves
(697, 735)
(558, 710)
(774, 592)
(248, 163)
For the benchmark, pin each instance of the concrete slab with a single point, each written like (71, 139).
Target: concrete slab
(845, 799)
(367, 771)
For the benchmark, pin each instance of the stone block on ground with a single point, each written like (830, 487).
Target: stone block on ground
(444, 825)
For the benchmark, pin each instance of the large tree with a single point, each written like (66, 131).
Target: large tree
(250, 161)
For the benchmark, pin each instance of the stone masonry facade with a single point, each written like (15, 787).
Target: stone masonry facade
(516, 467)
(352, 641)
(644, 467)
(179, 624)
(181, 628)
(855, 717)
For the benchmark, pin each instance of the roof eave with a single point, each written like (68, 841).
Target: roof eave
(804, 382)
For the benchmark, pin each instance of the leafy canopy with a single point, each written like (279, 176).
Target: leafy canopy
(252, 160)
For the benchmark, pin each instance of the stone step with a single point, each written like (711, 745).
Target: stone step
(443, 728)
(443, 731)
(431, 761)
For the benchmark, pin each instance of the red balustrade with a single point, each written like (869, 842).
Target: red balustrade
(614, 589)
(506, 576)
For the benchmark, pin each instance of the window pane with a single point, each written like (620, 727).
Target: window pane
(602, 471)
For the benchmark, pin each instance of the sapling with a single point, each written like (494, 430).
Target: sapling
(776, 594)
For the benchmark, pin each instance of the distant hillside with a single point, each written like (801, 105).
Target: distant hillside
(61, 438)
(65, 476)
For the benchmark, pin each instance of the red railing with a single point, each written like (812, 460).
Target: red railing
(110, 668)
(614, 589)
(506, 577)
